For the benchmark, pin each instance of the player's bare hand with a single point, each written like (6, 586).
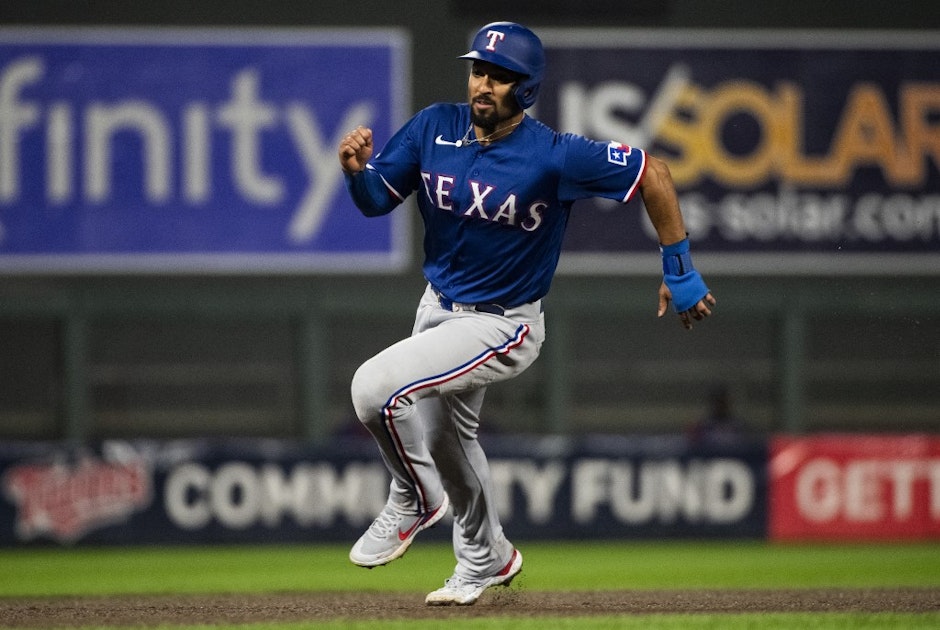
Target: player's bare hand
(355, 149)
(701, 310)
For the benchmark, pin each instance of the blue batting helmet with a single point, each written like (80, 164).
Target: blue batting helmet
(514, 47)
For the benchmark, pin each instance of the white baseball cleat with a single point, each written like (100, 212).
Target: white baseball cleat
(465, 591)
(391, 533)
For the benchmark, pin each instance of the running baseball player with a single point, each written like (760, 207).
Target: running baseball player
(495, 188)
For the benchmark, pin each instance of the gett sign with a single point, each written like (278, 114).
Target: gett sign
(848, 487)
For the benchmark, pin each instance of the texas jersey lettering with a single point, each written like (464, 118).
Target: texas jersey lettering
(439, 190)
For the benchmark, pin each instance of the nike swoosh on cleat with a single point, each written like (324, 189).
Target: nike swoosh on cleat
(403, 535)
(448, 143)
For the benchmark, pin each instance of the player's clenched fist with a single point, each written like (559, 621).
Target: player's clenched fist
(355, 149)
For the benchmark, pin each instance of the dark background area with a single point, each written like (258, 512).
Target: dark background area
(87, 357)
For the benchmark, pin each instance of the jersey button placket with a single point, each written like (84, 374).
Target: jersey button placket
(476, 158)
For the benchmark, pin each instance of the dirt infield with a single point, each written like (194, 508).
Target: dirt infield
(154, 610)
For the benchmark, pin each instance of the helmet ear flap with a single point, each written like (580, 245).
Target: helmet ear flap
(526, 93)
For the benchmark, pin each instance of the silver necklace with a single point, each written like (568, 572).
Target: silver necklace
(466, 141)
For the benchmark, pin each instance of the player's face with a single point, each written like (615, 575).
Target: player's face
(489, 91)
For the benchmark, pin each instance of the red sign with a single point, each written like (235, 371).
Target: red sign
(855, 487)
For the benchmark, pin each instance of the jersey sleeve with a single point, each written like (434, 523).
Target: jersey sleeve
(399, 162)
(370, 193)
(595, 169)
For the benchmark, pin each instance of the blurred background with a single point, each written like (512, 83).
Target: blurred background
(805, 348)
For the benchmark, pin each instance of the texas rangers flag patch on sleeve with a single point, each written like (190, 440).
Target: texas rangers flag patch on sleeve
(617, 153)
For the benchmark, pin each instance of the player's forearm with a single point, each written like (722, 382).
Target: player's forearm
(369, 193)
(662, 203)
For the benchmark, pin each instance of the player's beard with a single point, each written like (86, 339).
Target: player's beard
(500, 112)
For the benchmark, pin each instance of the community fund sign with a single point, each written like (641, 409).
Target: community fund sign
(246, 491)
(792, 151)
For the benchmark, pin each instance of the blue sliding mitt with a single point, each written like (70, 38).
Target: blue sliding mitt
(684, 282)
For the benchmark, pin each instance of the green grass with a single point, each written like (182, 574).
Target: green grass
(56, 571)
(548, 566)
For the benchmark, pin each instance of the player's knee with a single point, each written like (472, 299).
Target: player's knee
(367, 393)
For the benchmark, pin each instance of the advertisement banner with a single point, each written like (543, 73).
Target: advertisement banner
(163, 150)
(844, 487)
(197, 491)
(792, 151)
(796, 488)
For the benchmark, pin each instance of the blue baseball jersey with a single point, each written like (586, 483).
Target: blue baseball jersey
(495, 215)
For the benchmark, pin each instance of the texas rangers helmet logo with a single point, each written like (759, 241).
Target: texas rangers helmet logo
(494, 36)
(617, 153)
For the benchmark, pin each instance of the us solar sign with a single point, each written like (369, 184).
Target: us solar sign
(792, 151)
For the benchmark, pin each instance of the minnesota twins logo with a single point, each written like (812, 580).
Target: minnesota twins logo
(617, 153)
(65, 501)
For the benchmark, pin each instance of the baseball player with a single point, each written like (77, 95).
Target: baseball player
(494, 188)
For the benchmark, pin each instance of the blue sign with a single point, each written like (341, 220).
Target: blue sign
(791, 151)
(193, 150)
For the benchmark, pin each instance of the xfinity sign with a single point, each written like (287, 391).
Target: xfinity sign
(192, 151)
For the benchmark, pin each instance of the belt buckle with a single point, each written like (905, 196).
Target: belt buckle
(449, 305)
(446, 303)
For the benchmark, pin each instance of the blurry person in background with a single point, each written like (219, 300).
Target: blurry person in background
(719, 426)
